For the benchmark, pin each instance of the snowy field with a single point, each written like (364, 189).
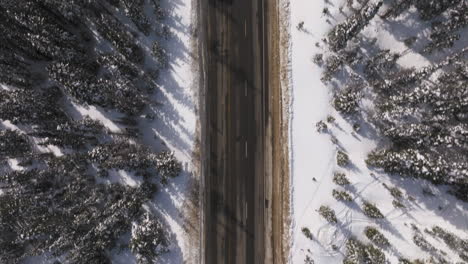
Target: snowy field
(314, 159)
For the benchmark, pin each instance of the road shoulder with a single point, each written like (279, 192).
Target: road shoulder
(277, 135)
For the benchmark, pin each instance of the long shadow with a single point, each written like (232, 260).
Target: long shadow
(167, 123)
(453, 210)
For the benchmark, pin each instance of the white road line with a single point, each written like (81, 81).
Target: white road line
(246, 211)
(246, 149)
(245, 28)
(245, 87)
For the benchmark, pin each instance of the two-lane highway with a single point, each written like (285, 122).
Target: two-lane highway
(235, 109)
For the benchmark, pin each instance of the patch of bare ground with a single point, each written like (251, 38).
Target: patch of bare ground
(278, 231)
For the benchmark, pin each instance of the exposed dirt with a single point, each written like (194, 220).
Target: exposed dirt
(279, 191)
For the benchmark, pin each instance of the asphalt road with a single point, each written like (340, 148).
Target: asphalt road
(234, 199)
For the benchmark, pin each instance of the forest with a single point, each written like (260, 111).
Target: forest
(61, 205)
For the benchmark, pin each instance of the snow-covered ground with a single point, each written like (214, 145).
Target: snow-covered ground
(175, 123)
(314, 159)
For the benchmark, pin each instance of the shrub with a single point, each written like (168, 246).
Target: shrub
(13, 144)
(307, 233)
(308, 260)
(371, 210)
(347, 100)
(418, 164)
(410, 41)
(318, 59)
(32, 107)
(431, 9)
(357, 252)
(395, 192)
(63, 211)
(321, 126)
(397, 204)
(332, 65)
(342, 33)
(125, 156)
(167, 165)
(328, 214)
(422, 243)
(341, 195)
(407, 261)
(160, 54)
(75, 134)
(340, 178)
(453, 242)
(148, 239)
(376, 237)
(342, 158)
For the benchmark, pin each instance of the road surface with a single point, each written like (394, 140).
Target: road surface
(235, 94)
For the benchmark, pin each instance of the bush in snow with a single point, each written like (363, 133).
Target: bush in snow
(397, 8)
(406, 261)
(421, 242)
(308, 260)
(342, 159)
(318, 59)
(394, 191)
(13, 144)
(341, 195)
(444, 34)
(62, 211)
(167, 165)
(380, 65)
(160, 54)
(371, 210)
(342, 33)
(135, 10)
(122, 155)
(148, 239)
(32, 107)
(410, 41)
(357, 252)
(307, 233)
(125, 156)
(432, 8)
(74, 134)
(113, 31)
(347, 100)
(321, 126)
(15, 71)
(376, 237)
(397, 204)
(340, 178)
(328, 214)
(332, 65)
(418, 164)
(80, 80)
(453, 241)
(460, 191)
